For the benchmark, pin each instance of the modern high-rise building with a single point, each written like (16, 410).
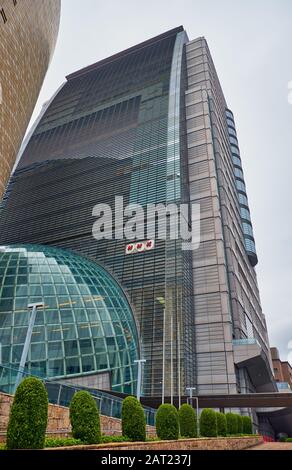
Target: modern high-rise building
(151, 124)
(28, 33)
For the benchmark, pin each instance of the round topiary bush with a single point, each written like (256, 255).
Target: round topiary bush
(167, 425)
(246, 425)
(221, 424)
(28, 416)
(84, 417)
(208, 423)
(232, 423)
(187, 421)
(239, 424)
(133, 420)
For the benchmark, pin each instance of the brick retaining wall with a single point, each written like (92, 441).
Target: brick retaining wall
(58, 421)
(228, 443)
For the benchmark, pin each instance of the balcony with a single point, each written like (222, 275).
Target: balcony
(249, 354)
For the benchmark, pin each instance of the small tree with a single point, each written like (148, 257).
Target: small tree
(239, 424)
(246, 425)
(232, 423)
(167, 425)
(208, 423)
(221, 424)
(28, 416)
(187, 421)
(133, 420)
(84, 417)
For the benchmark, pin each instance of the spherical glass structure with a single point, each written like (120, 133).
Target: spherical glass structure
(86, 327)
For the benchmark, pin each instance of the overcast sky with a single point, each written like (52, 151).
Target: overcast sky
(250, 41)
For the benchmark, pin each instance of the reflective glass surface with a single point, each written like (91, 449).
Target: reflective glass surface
(86, 326)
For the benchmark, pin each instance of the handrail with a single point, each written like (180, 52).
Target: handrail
(60, 393)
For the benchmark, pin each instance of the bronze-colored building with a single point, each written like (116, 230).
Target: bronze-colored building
(28, 33)
(282, 369)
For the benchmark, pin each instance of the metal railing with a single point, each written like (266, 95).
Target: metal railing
(61, 394)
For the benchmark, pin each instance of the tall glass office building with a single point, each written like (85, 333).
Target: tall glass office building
(151, 124)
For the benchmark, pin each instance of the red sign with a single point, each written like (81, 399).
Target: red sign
(140, 247)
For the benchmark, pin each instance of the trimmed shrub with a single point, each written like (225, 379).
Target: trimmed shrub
(232, 423)
(246, 425)
(187, 421)
(208, 423)
(239, 424)
(221, 424)
(28, 416)
(84, 417)
(167, 425)
(62, 442)
(133, 420)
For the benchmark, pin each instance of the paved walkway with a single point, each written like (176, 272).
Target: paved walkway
(273, 446)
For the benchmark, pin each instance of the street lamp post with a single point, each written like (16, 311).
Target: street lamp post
(33, 308)
(140, 362)
(191, 398)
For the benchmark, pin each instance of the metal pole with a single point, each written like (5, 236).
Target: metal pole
(23, 359)
(190, 390)
(197, 418)
(179, 371)
(163, 359)
(139, 378)
(171, 360)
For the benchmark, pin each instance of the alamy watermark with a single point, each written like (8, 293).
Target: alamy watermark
(153, 222)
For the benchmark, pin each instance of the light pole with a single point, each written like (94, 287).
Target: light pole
(140, 362)
(33, 308)
(191, 390)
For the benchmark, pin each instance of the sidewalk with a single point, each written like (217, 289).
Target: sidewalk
(273, 446)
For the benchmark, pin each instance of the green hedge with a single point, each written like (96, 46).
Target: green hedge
(62, 442)
(208, 423)
(239, 424)
(84, 417)
(187, 421)
(221, 424)
(28, 416)
(246, 425)
(133, 420)
(232, 423)
(167, 424)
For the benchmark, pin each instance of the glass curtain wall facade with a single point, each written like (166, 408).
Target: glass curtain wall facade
(116, 129)
(151, 124)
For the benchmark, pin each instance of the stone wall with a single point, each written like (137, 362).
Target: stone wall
(58, 422)
(229, 443)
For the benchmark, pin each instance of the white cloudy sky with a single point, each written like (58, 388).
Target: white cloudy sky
(250, 41)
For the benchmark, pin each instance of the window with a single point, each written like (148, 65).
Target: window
(245, 213)
(247, 229)
(240, 185)
(238, 173)
(233, 141)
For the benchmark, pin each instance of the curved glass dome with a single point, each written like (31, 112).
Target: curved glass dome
(86, 330)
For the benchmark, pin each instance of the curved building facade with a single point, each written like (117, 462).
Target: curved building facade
(86, 332)
(28, 33)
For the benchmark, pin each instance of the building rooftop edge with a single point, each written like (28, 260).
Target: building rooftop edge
(130, 50)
